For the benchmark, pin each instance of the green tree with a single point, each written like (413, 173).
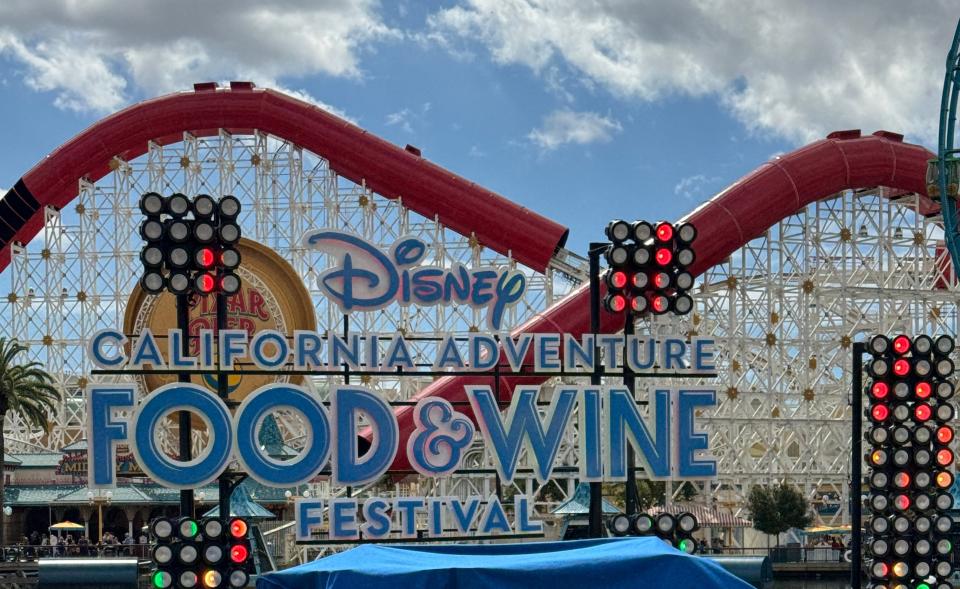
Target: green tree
(777, 508)
(25, 389)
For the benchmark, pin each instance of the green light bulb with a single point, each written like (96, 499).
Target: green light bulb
(193, 528)
(683, 545)
(158, 579)
(923, 586)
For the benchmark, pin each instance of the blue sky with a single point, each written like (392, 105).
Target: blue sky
(640, 110)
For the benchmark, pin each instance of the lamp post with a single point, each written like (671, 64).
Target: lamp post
(99, 500)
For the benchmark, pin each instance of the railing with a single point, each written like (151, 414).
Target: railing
(786, 554)
(27, 552)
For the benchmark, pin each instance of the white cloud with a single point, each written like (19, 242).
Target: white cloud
(400, 118)
(100, 54)
(307, 97)
(797, 70)
(406, 117)
(566, 126)
(695, 187)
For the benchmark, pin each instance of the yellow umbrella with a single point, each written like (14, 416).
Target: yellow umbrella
(68, 526)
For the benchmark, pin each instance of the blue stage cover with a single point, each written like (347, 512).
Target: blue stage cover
(612, 563)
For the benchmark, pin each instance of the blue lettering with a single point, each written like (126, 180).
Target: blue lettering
(408, 515)
(348, 468)
(376, 520)
(309, 517)
(482, 284)
(463, 514)
(624, 420)
(494, 520)
(690, 443)
(104, 432)
(96, 352)
(523, 425)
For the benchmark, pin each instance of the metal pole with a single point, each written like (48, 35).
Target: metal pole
(223, 483)
(183, 324)
(346, 373)
(596, 489)
(628, 381)
(856, 463)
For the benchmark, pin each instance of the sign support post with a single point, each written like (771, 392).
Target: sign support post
(629, 381)
(596, 489)
(183, 324)
(856, 463)
(224, 484)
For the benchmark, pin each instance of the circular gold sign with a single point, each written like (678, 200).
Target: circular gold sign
(272, 296)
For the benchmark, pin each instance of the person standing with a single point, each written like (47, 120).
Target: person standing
(53, 545)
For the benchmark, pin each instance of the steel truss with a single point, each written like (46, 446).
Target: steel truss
(785, 309)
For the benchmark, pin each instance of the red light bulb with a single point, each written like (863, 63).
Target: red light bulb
(663, 256)
(618, 303)
(923, 390)
(901, 480)
(239, 553)
(880, 412)
(238, 528)
(664, 232)
(901, 344)
(618, 279)
(922, 412)
(660, 280)
(660, 304)
(944, 457)
(206, 257)
(944, 434)
(205, 283)
(880, 390)
(901, 502)
(901, 367)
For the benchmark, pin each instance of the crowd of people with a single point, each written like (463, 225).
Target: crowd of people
(826, 542)
(69, 544)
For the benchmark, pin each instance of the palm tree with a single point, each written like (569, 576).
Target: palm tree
(25, 389)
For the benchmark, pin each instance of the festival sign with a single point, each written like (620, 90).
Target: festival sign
(667, 441)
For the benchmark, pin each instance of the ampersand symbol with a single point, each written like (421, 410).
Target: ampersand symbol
(436, 446)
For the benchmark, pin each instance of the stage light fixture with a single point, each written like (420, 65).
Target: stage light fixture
(641, 231)
(152, 282)
(944, 344)
(151, 204)
(618, 231)
(901, 345)
(664, 232)
(878, 345)
(178, 205)
(686, 232)
(922, 344)
(204, 206)
(229, 208)
(229, 283)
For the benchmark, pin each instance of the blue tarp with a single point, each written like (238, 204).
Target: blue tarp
(613, 563)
